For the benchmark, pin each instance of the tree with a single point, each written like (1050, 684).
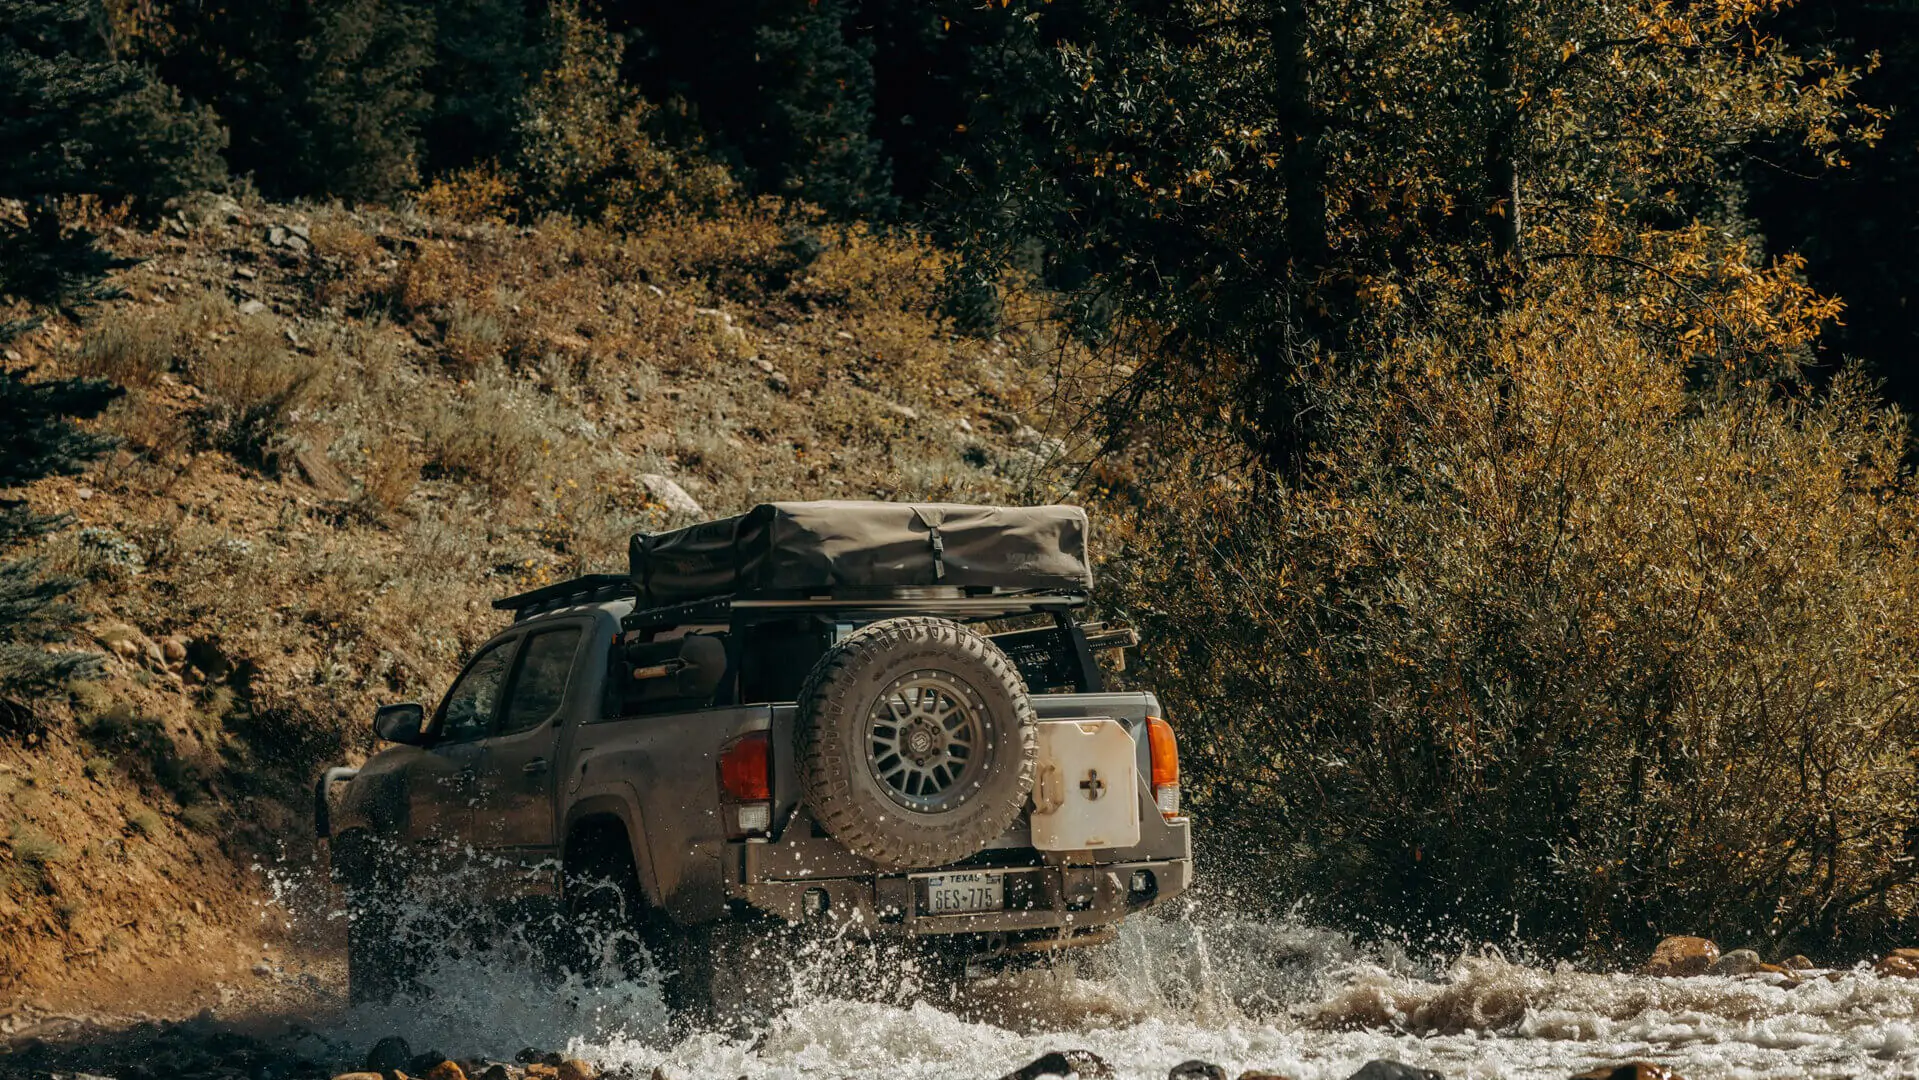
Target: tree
(486, 54)
(783, 89)
(815, 139)
(78, 118)
(587, 147)
(39, 439)
(323, 97)
(1256, 187)
(1857, 223)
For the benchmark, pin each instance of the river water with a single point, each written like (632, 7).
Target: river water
(1247, 994)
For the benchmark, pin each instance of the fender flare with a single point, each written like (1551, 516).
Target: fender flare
(623, 808)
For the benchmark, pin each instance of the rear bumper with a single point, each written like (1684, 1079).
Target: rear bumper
(1063, 904)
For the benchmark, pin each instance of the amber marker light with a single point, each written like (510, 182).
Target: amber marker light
(1163, 750)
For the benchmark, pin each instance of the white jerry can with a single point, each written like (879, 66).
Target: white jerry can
(1085, 786)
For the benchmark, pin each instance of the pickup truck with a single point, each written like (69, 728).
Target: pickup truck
(815, 716)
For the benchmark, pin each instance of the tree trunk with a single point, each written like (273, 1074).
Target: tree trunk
(1314, 326)
(1501, 170)
(1303, 130)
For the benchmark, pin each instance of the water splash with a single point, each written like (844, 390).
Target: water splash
(1276, 995)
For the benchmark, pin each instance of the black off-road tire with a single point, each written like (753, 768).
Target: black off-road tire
(732, 976)
(378, 963)
(955, 814)
(608, 928)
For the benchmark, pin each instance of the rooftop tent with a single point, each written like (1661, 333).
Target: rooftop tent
(810, 548)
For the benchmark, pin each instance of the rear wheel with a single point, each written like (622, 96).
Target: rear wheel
(606, 921)
(733, 975)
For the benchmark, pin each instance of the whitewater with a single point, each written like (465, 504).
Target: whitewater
(1267, 995)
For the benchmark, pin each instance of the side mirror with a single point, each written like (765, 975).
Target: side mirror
(401, 723)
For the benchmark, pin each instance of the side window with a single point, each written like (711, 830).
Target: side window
(470, 705)
(545, 664)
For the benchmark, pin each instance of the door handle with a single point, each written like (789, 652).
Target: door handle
(534, 767)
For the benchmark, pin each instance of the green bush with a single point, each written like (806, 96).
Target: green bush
(1559, 638)
(586, 144)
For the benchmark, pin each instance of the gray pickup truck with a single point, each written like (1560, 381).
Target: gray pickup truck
(870, 718)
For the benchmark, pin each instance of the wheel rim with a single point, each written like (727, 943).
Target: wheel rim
(926, 741)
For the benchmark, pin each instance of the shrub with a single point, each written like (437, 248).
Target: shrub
(586, 148)
(144, 823)
(474, 334)
(128, 349)
(34, 855)
(392, 471)
(482, 194)
(254, 383)
(1560, 638)
(497, 436)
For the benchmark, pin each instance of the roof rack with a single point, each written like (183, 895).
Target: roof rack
(589, 589)
(959, 603)
(954, 602)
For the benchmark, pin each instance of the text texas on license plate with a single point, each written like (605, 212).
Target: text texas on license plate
(951, 893)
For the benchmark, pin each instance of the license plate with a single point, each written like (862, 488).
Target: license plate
(953, 893)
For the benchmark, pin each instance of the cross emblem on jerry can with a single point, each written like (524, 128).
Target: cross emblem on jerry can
(1093, 786)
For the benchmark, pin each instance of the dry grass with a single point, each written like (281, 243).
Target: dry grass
(488, 396)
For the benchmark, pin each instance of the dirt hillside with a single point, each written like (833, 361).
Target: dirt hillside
(344, 434)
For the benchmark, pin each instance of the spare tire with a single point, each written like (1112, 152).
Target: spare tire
(916, 742)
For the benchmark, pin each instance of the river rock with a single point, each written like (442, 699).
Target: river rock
(1196, 1070)
(495, 1071)
(1798, 962)
(446, 1070)
(1632, 1070)
(1084, 1063)
(1737, 962)
(390, 1054)
(358, 1076)
(575, 1069)
(1392, 1070)
(1682, 956)
(1899, 963)
(1255, 1075)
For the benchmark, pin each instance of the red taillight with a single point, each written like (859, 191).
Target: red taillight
(746, 768)
(1163, 749)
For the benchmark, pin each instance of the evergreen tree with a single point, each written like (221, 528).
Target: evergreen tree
(783, 88)
(323, 97)
(815, 136)
(76, 117)
(38, 439)
(486, 52)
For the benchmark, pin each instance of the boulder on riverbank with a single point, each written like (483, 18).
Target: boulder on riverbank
(1082, 1063)
(1899, 963)
(1682, 955)
(1632, 1070)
